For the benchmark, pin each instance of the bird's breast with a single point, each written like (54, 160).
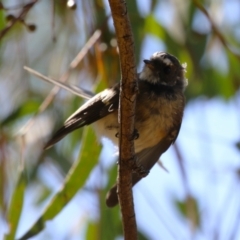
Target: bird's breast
(154, 119)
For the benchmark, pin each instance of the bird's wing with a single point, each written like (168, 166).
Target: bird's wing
(94, 109)
(146, 158)
(149, 156)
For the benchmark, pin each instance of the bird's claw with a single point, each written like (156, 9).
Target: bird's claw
(135, 134)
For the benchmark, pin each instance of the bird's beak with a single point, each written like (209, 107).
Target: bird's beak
(149, 63)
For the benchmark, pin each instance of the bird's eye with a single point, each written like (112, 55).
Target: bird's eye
(167, 69)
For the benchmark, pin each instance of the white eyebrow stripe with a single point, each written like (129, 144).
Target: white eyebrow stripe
(167, 61)
(156, 54)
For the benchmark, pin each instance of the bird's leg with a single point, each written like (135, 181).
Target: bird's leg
(134, 165)
(135, 134)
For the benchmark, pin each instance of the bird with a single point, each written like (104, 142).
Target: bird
(159, 111)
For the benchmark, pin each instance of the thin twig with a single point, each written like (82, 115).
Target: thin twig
(190, 207)
(71, 88)
(215, 29)
(63, 79)
(126, 115)
(182, 168)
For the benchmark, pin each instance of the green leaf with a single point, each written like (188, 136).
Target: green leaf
(189, 209)
(44, 193)
(2, 19)
(109, 217)
(24, 109)
(74, 181)
(153, 27)
(92, 231)
(15, 207)
(216, 83)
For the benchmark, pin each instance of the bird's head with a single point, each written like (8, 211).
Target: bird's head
(164, 69)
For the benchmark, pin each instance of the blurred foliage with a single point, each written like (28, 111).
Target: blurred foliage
(82, 167)
(47, 37)
(189, 209)
(16, 205)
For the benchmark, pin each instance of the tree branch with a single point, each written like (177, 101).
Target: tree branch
(20, 17)
(126, 115)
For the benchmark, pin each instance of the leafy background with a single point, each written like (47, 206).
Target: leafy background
(196, 198)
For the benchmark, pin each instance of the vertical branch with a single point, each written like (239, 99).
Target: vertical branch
(126, 115)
